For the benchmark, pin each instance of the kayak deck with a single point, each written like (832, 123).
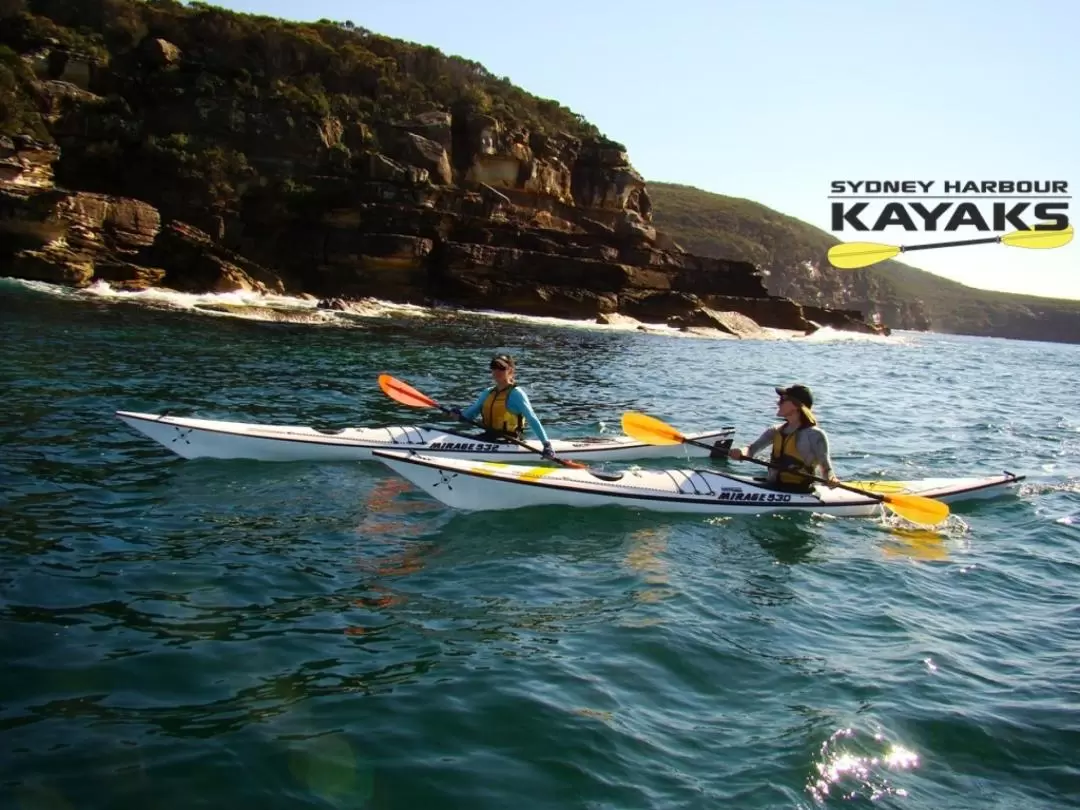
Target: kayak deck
(191, 437)
(483, 486)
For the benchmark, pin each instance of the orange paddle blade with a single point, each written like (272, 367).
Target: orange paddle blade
(404, 393)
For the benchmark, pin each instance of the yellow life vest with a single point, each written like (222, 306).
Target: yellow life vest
(784, 452)
(495, 416)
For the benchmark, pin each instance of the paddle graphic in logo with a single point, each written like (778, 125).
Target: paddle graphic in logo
(958, 207)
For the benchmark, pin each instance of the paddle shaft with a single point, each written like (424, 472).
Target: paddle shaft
(874, 495)
(916, 508)
(475, 423)
(986, 241)
(774, 467)
(407, 395)
(695, 442)
(507, 436)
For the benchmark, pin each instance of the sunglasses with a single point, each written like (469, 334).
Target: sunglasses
(498, 368)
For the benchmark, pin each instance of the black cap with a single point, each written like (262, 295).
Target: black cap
(798, 393)
(502, 360)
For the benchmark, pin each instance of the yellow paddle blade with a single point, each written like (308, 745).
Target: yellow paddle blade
(853, 255)
(1039, 239)
(649, 429)
(918, 509)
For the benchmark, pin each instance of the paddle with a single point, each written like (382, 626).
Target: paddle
(914, 508)
(852, 255)
(407, 395)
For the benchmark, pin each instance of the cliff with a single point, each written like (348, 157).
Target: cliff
(793, 256)
(156, 144)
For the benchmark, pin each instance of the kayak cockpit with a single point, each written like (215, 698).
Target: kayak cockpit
(606, 476)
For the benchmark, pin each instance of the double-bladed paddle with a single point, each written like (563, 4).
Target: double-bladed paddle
(852, 255)
(915, 508)
(407, 395)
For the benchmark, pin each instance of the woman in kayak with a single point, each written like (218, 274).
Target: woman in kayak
(504, 409)
(797, 443)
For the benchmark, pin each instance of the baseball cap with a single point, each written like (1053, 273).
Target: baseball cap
(798, 393)
(804, 397)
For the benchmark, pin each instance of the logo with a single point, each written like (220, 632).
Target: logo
(1035, 214)
(470, 446)
(753, 497)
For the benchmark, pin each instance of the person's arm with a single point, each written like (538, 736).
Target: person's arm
(819, 442)
(473, 410)
(759, 444)
(518, 402)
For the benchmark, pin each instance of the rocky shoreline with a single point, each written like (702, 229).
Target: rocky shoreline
(453, 207)
(402, 243)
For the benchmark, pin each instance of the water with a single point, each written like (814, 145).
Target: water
(181, 634)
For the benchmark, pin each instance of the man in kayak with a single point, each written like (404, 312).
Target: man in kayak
(504, 409)
(798, 444)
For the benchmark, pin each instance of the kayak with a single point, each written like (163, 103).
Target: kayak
(481, 486)
(209, 438)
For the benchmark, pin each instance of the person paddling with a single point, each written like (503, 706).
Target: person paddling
(504, 408)
(797, 444)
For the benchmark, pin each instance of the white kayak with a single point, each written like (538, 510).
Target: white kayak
(476, 486)
(209, 438)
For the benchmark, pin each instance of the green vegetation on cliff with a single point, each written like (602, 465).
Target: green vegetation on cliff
(322, 67)
(207, 101)
(795, 255)
(18, 105)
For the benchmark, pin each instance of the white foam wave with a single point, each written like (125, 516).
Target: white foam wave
(622, 323)
(238, 304)
(102, 289)
(827, 334)
(256, 306)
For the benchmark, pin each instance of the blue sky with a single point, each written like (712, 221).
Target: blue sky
(773, 100)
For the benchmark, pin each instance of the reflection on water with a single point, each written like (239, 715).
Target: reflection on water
(389, 523)
(330, 767)
(644, 555)
(920, 543)
(789, 539)
(388, 548)
(36, 796)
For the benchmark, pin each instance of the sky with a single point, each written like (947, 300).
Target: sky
(773, 100)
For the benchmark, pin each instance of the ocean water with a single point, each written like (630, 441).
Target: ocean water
(179, 634)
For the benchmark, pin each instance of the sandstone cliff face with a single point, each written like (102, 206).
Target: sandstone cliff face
(76, 237)
(451, 206)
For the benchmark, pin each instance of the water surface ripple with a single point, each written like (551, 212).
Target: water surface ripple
(235, 634)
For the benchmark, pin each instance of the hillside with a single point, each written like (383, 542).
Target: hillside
(793, 253)
(156, 144)
(221, 104)
(153, 143)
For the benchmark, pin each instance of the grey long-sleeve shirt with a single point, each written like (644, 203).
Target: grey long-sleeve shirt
(812, 444)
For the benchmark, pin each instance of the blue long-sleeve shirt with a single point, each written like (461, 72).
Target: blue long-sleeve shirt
(518, 404)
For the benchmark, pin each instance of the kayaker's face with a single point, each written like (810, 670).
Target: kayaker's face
(786, 407)
(501, 375)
